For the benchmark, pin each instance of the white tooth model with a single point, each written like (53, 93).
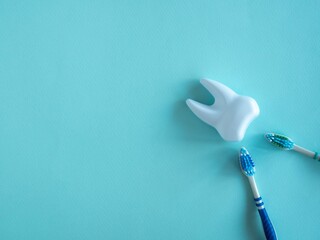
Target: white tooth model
(230, 113)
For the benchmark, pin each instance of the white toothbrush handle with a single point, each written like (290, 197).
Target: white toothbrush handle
(306, 152)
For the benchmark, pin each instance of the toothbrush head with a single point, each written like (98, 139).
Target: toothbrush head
(280, 141)
(246, 163)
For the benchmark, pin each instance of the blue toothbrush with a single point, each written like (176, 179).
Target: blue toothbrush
(248, 169)
(286, 143)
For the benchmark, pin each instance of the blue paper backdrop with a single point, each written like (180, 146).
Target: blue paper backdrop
(96, 141)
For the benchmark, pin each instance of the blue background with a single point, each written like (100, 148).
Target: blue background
(96, 141)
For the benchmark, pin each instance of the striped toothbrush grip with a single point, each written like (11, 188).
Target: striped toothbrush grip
(268, 228)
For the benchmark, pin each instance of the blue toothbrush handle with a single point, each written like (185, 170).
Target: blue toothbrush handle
(268, 228)
(267, 225)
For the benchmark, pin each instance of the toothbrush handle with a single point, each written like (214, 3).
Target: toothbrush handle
(268, 228)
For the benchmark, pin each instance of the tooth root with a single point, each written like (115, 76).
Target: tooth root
(221, 93)
(204, 112)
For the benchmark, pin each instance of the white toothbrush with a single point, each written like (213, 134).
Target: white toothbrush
(286, 143)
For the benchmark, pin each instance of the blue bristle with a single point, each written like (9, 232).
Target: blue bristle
(280, 141)
(246, 163)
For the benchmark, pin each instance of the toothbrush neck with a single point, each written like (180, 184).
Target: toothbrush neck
(254, 187)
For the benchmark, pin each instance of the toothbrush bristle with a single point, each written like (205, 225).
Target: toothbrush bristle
(280, 141)
(246, 163)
